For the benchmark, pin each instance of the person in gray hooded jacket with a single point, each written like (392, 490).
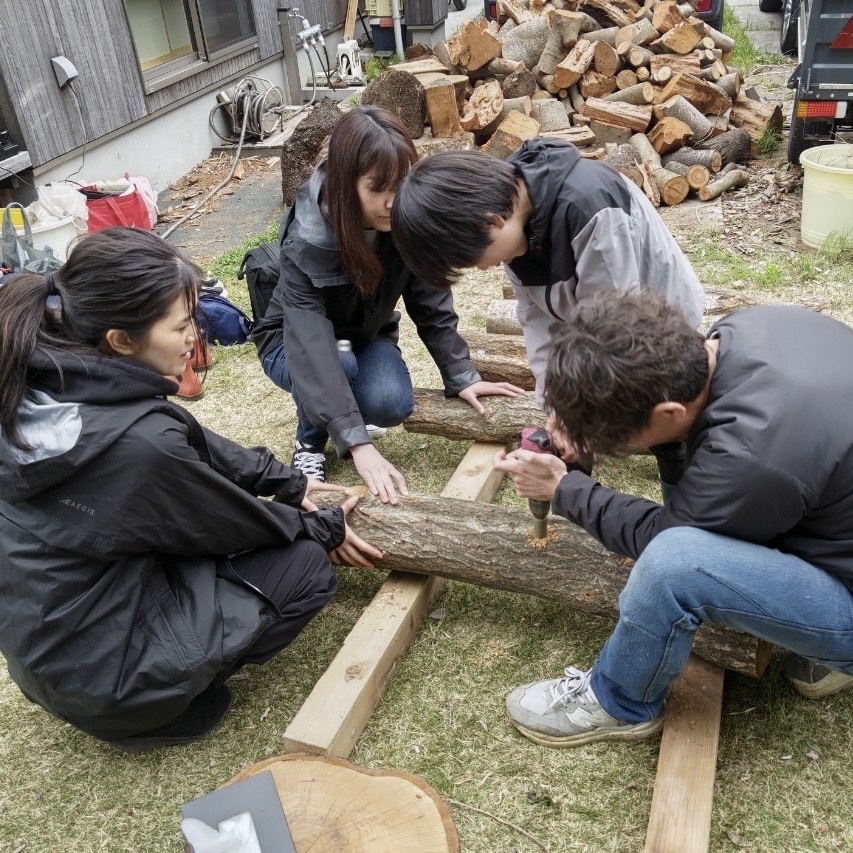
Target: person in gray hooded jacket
(139, 568)
(564, 228)
(340, 281)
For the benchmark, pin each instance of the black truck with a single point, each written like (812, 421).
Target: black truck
(820, 34)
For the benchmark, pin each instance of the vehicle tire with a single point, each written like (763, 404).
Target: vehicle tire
(770, 5)
(788, 36)
(796, 142)
(459, 5)
(717, 23)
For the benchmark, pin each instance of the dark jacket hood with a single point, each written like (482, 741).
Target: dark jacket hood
(50, 416)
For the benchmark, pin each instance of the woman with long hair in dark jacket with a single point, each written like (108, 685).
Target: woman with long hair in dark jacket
(139, 568)
(330, 333)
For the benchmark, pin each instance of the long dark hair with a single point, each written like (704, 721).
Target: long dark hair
(371, 141)
(118, 278)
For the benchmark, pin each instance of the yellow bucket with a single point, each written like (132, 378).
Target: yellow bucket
(16, 215)
(827, 193)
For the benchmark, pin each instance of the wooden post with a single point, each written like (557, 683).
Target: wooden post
(680, 818)
(336, 711)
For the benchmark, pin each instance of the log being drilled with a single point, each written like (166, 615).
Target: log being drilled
(493, 546)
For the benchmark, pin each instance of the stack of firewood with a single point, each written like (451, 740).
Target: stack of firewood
(644, 87)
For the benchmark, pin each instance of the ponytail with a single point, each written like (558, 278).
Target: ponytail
(30, 314)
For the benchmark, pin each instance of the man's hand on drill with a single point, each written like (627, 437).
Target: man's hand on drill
(535, 475)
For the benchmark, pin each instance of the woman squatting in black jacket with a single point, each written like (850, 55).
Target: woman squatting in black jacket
(341, 279)
(124, 609)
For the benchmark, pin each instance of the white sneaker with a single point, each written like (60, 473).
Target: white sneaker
(375, 431)
(565, 712)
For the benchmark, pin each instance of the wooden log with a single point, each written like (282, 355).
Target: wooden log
(732, 180)
(715, 72)
(673, 188)
(565, 29)
(441, 107)
(642, 93)
(650, 187)
(708, 99)
(688, 64)
(450, 417)
(471, 48)
(422, 66)
(500, 358)
(609, 134)
(730, 167)
(632, 116)
(625, 79)
(512, 132)
(522, 105)
(620, 12)
(669, 134)
(721, 40)
(680, 108)
(661, 76)
(551, 115)
(515, 10)
(640, 32)
(526, 42)
(730, 84)
(518, 84)
(605, 59)
(665, 16)
(501, 318)
(575, 97)
(697, 176)
(483, 107)
(680, 815)
(692, 156)
(734, 146)
(626, 160)
(402, 94)
(572, 68)
(607, 35)
(499, 67)
(680, 39)
(639, 57)
(336, 711)
(595, 85)
(642, 73)
(493, 546)
(646, 151)
(580, 137)
(755, 117)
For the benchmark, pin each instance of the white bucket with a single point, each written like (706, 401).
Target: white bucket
(57, 236)
(827, 193)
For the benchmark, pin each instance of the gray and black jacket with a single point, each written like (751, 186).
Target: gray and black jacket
(118, 601)
(591, 229)
(770, 457)
(315, 305)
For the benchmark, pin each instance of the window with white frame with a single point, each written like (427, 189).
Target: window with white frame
(170, 35)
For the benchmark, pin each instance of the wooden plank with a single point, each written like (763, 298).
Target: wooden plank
(336, 711)
(680, 818)
(349, 24)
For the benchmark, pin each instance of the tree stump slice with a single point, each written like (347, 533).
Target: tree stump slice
(333, 805)
(400, 93)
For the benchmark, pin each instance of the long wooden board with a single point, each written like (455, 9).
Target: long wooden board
(680, 817)
(336, 711)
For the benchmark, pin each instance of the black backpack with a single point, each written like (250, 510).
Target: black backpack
(260, 268)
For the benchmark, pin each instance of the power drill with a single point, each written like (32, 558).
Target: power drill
(538, 440)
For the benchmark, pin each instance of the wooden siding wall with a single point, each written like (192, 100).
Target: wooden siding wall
(424, 12)
(95, 36)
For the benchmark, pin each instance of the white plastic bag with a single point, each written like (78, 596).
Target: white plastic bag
(58, 202)
(235, 835)
(148, 195)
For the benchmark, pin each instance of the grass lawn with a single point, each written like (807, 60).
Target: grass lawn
(784, 774)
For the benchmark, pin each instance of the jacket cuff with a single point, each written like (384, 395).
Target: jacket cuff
(295, 491)
(347, 433)
(458, 377)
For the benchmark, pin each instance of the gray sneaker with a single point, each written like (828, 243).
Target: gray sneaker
(564, 712)
(814, 680)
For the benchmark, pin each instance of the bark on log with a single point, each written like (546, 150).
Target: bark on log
(626, 159)
(621, 12)
(500, 358)
(680, 108)
(607, 35)
(641, 32)
(501, 318)
(755, 116)
(730, 181)
(526, 42)
(642, 93)
(730, 84)
(400, 93)
(645, 150)
(690, 156)
(609, 134)
(706, 97)
(550, 114)
(565, 29)
(721, 40)
(697, 176)
(492, 546)
(503, 420)
(733, 146)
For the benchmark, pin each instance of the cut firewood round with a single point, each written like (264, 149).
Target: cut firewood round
(333, 805)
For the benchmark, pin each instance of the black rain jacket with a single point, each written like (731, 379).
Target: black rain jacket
(118, 602)
(315, 305)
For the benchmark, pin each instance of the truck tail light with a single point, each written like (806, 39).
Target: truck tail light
(844, 40)
(821, 109)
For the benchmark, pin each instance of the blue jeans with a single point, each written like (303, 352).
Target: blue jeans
(379, 380)
(688, 576)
